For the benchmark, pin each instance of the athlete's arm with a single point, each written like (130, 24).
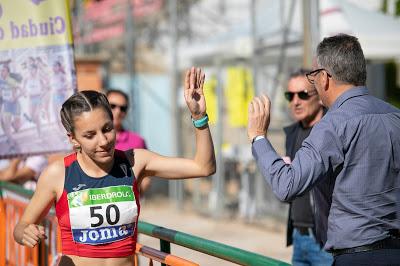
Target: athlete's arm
(27, 232)
(203, 163)
(148, 163)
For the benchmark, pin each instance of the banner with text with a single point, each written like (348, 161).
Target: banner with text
(37, 74)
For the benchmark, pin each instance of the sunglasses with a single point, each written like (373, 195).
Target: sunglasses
(304, 95)
(123, 108)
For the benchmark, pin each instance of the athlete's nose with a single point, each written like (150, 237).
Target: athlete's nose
(103, 141)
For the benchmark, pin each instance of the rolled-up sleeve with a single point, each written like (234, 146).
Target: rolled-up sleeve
(321, 153)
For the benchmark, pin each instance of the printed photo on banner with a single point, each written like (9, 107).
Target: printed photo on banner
(37, 74)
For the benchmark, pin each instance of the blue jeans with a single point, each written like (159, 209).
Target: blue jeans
(306, 251)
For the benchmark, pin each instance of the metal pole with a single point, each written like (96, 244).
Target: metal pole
(175, 187)
(310, 30)
(259, 182)
(254, 61)
(80, 46)
(217, 195)
(165, 246)
(315, 26)
(130, 66)
(282, 53)
(212, 248)
(307, 53)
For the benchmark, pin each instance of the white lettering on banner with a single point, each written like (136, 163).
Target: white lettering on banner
(108, 231)
(110, 195)
(105, 233)
(93, 235)
(83, 238)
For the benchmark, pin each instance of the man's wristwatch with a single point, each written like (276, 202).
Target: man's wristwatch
(257, 138)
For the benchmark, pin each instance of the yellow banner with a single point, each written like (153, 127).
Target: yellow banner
(37, 74)
(210, 87)
(34, 23)
(239, 92)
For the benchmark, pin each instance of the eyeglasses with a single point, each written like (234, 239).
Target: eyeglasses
(304, 95)
(123, 108)
(311, 75)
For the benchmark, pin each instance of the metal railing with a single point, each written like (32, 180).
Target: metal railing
(212, 248)
(14, 198)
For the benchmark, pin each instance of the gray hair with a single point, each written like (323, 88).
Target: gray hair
(343, 58)
(79, 102)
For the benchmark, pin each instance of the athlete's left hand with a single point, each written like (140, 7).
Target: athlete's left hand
(193, 91)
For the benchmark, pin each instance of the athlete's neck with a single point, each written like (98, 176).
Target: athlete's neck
(93, 168)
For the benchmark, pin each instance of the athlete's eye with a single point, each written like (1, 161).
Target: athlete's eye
(89, 136)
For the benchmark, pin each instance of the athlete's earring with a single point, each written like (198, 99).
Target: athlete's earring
(77, 148)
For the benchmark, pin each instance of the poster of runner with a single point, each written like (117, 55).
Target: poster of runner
(37, 74)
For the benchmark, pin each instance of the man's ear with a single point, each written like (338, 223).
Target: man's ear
(326, 80)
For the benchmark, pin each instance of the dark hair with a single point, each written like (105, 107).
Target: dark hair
(300, 72)
(343, 58)
(109, 91)
(79, 102)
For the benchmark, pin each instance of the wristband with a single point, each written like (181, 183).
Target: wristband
(200, 122)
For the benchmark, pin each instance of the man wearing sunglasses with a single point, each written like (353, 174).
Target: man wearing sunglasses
(350, 159)
(306, 109)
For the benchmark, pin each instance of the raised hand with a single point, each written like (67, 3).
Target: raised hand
(259, 117)
(193, 92)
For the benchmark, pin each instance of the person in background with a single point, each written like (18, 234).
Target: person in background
(125, 139)
(351, 159)
(10, 92)
(23, 171)
(119, 102)
(306, 109)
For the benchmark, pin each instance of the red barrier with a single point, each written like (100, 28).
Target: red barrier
(48, 252)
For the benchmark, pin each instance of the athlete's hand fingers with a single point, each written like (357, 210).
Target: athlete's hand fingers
(33, 234)
(42, 232)
(29, 241)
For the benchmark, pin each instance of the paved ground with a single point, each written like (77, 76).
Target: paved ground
(266, 237)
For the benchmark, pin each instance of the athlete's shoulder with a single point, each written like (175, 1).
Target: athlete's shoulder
(69, 159)
(53, 173)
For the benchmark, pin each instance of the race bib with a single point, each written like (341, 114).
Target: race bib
(102, 215)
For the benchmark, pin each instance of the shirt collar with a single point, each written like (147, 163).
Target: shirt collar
(353, 92)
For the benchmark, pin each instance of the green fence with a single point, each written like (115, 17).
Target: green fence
(202, 245)
(168, 236)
